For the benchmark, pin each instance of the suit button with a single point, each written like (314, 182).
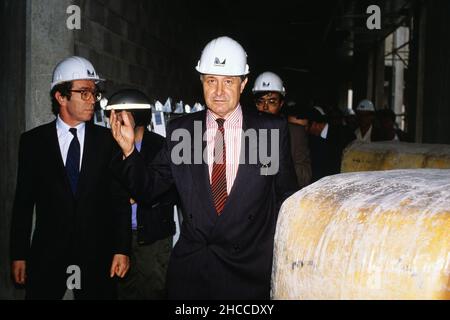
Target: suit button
(155, 205)
(236, 248)
(250, 217)
(191, 216)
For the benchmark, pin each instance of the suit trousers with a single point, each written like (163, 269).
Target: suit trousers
(146, 279)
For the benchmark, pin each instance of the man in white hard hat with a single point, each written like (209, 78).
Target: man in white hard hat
(269, 93)
(230, 204)
(77, 243)
(365, 114)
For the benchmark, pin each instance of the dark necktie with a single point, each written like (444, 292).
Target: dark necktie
(73, 160)
(219, 177)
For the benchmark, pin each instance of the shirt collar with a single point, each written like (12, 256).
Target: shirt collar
(64, 127)
(324, 132)
(232, 119)
(366, 137)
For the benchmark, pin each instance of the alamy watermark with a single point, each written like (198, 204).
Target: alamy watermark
(374, 20)
(262, 147)
(74, 20)
(74, 278)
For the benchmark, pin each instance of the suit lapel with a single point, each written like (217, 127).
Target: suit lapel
(244, 173)
(55, 156)
(200, 173)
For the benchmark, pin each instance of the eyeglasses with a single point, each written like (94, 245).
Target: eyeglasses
(271, 102)
(86, 95)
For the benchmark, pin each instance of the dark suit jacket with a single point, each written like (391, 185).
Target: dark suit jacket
(326, 154)
(218, 257)
(70, 229)
(155, 220)
(300, 154)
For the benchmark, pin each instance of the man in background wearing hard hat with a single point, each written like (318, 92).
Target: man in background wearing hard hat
(269, 95)
(230, 206)
(367, 130)
(63, 173)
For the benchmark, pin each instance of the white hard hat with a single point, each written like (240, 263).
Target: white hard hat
(74, 68)
(223, 56)
(365, 105)
(269, 81)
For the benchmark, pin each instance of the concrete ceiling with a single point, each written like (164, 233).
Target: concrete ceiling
(292, 34)
(305, 42)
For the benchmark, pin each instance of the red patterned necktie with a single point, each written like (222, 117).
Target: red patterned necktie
(219, 177)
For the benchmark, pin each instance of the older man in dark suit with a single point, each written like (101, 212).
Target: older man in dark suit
(230, 193)
(64, 174)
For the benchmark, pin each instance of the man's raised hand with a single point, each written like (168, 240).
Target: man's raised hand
(123, 131)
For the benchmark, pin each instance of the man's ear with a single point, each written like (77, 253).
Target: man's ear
(243, 83)
(60, 98)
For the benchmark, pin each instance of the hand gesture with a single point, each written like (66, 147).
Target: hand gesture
(122, 126)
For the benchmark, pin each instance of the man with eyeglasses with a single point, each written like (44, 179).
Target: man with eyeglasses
(269, 95)
(63, 174)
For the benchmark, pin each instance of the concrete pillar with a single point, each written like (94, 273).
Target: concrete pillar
(36, 38)
(48, 41)
(12, 123)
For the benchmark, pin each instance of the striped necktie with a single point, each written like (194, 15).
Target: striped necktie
(219, 177)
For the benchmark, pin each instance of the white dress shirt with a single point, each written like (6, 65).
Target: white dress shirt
(367, 136)
(233, 130)
(65, 138)
(324, 133)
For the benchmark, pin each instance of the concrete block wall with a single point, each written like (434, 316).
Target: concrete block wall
(140, 44)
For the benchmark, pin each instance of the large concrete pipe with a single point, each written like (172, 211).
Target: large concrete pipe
(366, 235)
(394, 155)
